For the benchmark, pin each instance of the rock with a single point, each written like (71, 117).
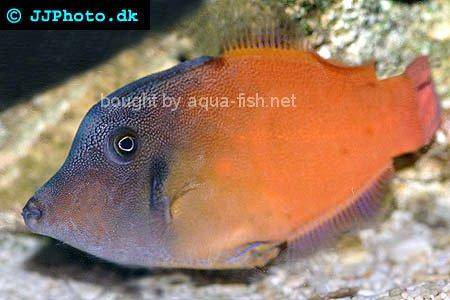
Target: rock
(440, 31)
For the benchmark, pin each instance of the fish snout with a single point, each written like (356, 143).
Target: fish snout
(32, 212)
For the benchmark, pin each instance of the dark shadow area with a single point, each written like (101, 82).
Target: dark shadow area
(408, 159)
(32, 61)
(59, 260)
(405, 161)
(165, 13)
(410, 1)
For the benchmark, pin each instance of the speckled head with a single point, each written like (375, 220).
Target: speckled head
(98, 200)
(105, 199)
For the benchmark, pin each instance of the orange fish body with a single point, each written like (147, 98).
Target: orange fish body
(273, 173)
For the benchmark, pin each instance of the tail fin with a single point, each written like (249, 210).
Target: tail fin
(429, 111)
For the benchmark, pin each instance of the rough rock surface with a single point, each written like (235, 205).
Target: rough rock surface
(407, 256)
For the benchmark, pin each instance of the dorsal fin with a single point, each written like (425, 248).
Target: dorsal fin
(258, 40)
(272, 35)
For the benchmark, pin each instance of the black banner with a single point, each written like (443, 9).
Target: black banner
(74, 14)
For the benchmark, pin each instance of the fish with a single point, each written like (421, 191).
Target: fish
(227, 162)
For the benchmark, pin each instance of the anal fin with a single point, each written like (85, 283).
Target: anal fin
(356, 213)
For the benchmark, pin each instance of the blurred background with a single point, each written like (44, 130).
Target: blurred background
(49, 79)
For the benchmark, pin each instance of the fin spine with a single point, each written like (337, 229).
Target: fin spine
(272, 36)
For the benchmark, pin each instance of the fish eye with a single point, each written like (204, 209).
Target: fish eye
(125, 145)
(122, 145)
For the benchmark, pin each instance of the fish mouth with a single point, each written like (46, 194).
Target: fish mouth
(32, 214)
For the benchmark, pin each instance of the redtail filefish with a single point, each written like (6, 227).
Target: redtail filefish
(220, 162)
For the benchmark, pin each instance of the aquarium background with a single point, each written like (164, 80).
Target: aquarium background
(49, 80)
